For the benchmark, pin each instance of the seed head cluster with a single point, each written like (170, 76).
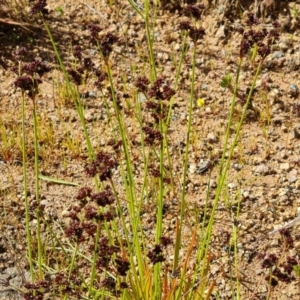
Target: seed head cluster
(142, 84)
(84, 67)
(103, 165)
(84, 193)
(109, 283)
(288, 239)
(296, 108)
(158, 111)
(263, 38)
(195, 11)
(94, 32)
(156, 255)
(153, 171)
(122, 266)
(194, 32)
(77, 52)
(282, 270)
(90, 228)
(105, 197)
(70, 285)
(92, 213)
(29, 74)
(35, 67)
(152, 136)
(33, 294)
(19, 53)
(39, 7)
(161, 90)
(116, 145)
(165, 241)
(75, 230)
(158, 95)
(76, 75)
(25, 83)
(289, 265)
(105, 253)
(269, 260)
(105, 43)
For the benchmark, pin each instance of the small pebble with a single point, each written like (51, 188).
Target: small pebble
(231, 185)
(284, 166)
(262, 169)
(192, 168)
(204, 166)
(278, 54)
(238, 167)
(246, 194)
(294, 90)
(297, 132)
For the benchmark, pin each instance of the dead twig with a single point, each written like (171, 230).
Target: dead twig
(11, 22)
(288, 225)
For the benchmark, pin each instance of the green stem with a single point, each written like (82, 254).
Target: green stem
(224, 169)
(37, 189)
(28, 233)
(185, 163)
(129, 182)
(93, 271)
(74, 94)
(183, 52)
(136, 8)
(76, 99)
(72, 266)
(159, 217)
(150, 42)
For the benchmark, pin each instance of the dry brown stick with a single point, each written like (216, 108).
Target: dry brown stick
(11, 22)
(287, 225)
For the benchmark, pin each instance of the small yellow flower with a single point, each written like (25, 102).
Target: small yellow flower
(200, 102)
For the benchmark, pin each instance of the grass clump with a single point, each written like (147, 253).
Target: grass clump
(101, 247)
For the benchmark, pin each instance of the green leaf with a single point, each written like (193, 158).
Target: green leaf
(226, 81)
(60, 10)
(58, 181)
(254, 52)
(297, 269)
